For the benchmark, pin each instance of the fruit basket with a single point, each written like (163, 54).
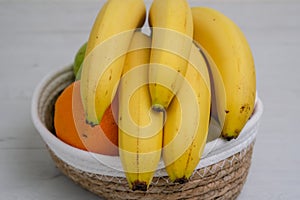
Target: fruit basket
(220, 174)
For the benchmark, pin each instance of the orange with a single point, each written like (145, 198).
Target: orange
(71, 128)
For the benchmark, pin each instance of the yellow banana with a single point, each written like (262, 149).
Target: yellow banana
(186, 126)
(172, 31)
(229, 49)
(140, 128)
(105, 54)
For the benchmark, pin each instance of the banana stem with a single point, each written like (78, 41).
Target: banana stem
(158, 108)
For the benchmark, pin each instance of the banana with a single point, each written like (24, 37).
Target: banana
(140, 128)
(188, 116)
(105, 54)
(228, 47)
(172, 31)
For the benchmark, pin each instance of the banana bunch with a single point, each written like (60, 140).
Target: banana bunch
(195, 69)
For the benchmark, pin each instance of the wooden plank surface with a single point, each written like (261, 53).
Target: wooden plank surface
(37, 37)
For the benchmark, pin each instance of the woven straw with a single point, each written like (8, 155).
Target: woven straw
(220, 180)
(223, 180)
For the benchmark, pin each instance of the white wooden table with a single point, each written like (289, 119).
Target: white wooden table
(37, 37)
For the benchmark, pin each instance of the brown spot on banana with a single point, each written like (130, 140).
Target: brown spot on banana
(245, 108)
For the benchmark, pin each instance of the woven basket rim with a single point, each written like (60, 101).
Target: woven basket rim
(64, 150)
(223, 180)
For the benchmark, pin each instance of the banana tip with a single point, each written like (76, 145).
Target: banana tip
(230, 136)
(92, 124)
(139, 185)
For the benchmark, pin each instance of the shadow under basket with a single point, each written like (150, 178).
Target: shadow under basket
(221, 173)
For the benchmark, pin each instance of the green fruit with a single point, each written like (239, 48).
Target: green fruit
(78, 60)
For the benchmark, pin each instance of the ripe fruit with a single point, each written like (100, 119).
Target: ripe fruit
(79, 57)
(105, 54)
(186, 126)
(140, 128)
(172, 33)
(70, 126)
(229, 49)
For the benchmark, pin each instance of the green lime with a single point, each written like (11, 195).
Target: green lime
(78, 60)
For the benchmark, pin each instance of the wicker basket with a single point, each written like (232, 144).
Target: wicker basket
(221, 173)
